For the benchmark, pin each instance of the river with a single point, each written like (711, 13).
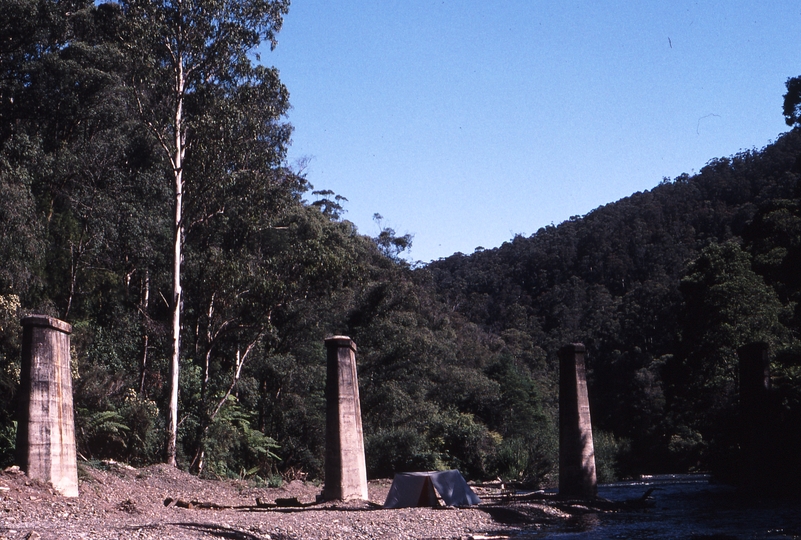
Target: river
(686, 506)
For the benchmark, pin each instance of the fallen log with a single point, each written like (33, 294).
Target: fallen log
(261, 504)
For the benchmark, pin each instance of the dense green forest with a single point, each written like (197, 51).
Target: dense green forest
(457, 359)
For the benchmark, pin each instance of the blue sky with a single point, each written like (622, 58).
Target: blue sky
(466, 123)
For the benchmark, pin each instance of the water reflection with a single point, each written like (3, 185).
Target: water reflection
(584, 522)
(686, 506)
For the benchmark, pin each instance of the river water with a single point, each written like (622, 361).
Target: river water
(686, 506)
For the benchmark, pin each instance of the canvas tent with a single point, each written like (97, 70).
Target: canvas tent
(417, 489)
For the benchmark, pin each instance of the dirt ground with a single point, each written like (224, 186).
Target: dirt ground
(120, 502)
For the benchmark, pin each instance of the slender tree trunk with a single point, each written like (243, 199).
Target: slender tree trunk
(241, 358)
(76, 252)
(205, 421)
(145, 303)
(176, 329)
(172, 425)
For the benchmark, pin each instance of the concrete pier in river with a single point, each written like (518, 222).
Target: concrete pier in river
(345, 466)
(756, 441)
(45, 447)
(576, 452)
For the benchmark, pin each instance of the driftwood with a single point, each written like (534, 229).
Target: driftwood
(195, 505)
(290, 502)
(597, 504)
(571, 506)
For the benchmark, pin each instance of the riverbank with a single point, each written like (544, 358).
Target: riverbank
(120, 502)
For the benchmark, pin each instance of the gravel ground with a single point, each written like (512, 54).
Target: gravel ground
(125, 503)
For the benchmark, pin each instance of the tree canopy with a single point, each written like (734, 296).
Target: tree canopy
(792, 102)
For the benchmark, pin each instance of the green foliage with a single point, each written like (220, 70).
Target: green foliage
(727, 305)
(9, 375)
(100, 434)
(21, 243)
(792, 101)
(8, 443)
(529, 459)
(464, 442)
(233, 442)
(388, 243)
(140, 416)
(610, 453)
(528, 451)
(399, 449)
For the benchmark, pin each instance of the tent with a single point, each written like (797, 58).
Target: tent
(417, 489)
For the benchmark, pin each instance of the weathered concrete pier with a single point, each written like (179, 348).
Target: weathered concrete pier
(756, 467)
(45, 447)
(576, 452)
(754, 374)
(345, 466)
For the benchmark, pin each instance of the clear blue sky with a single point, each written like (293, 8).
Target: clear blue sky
(466, 122)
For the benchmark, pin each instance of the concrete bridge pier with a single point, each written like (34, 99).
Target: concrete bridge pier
(576, 452)
(345, 466)
(755, 435)
(45, 447)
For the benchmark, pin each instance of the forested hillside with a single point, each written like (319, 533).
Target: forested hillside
(457, 359)
(662, 287)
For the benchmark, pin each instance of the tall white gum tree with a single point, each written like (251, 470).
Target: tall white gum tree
(179, 48)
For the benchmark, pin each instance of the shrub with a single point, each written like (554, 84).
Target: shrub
(609, 452)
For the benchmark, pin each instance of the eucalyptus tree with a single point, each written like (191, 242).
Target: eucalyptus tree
(792, 102)
(30, 32)
(726, 305)
(182, 52)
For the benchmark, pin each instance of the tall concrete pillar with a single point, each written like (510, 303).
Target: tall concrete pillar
(576, 452)
(754, 373)
(46, 429)
(345, 467)
(755, 435)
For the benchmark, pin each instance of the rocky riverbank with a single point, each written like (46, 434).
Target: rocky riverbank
(120, 502)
